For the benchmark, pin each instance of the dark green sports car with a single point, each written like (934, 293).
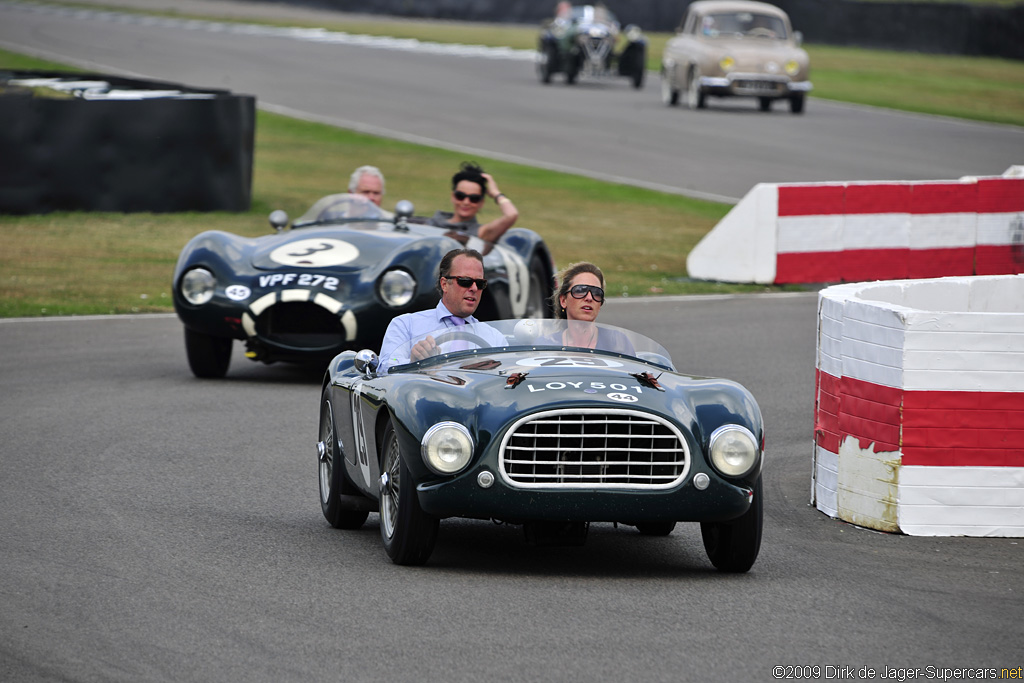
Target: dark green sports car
(535, 432)
(335, 280)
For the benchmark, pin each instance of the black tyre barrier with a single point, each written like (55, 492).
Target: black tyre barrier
(94, 142)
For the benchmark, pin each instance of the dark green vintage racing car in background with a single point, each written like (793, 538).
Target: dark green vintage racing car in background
(334, 281)
(582, 40)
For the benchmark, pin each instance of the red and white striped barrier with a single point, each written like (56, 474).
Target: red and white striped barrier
(919, 406)
(859, 231)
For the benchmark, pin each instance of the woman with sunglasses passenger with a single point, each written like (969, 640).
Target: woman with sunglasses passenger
(470, 186)
(578, 300)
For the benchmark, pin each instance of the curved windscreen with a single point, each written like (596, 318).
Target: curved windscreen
(593, 14)
(450, 340)
(743, 24)
(344, 206)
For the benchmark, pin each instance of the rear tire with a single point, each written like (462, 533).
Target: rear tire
(538, 302)
(733, 546)
(408, 532)
(208, 356)
(546, 65)
(550, 533)
(669, 94)
(639, 67)
(655, 528)
(765, 103)
(331, 470)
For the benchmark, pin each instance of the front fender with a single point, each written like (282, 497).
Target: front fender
(216, 248)
(414, 411)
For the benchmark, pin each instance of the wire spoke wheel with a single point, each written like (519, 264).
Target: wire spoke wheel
(335, 488)
(408, 532)
(390, 482)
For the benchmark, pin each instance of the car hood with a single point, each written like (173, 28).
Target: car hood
(747, 50)
(486, 389)
(529, 370)
(340, 248)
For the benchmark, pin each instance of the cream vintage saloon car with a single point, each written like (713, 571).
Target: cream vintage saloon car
(735, 48)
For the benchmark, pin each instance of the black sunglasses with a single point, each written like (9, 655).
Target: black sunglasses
(475, 198)
(580, 292)
(467, 282)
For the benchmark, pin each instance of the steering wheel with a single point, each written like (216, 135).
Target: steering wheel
(762, 32)
(459, 335)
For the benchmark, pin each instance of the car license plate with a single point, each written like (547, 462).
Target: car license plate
(757, 86)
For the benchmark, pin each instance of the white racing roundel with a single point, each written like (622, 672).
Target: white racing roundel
(237, 292)
(316, 252)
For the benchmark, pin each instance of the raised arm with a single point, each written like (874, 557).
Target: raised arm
(492, 231)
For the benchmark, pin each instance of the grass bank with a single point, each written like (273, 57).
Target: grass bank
(87, 263)
(91, 263)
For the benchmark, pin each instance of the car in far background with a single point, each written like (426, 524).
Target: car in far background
(334, 282)
(582, 40)
(735, 48)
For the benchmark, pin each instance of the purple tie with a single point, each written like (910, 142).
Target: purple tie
(459, 344)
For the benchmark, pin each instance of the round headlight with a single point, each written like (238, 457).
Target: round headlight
(726, 64)
(792, 67)
(397, 287)
(197, 286)
(447, 447)
(733, 450)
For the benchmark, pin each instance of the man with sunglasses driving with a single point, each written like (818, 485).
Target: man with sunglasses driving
(461, 283)
(470, 186)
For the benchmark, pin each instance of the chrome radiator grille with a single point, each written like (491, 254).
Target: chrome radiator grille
(593, 448)
(596, 50)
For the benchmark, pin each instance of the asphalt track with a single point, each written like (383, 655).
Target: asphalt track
(494, 106)
(160, 528)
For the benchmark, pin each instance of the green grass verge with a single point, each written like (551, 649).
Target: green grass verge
(86, 263)
(89, 263)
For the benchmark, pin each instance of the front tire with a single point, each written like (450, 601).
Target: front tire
(765, 103)
(733, 546)
(408, 532)
(333, 482)
(695, 97)
(208, 356)
(572, 68)
(796, 103)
